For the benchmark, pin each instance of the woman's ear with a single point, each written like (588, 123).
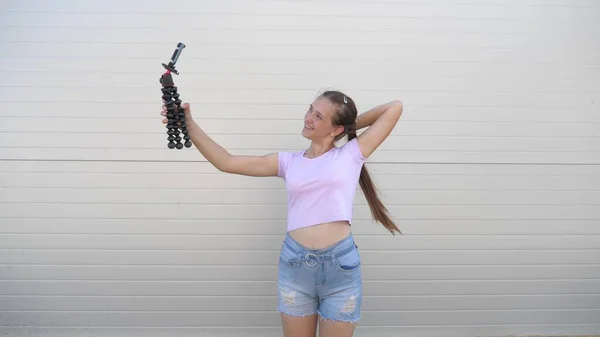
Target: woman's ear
(338, 133)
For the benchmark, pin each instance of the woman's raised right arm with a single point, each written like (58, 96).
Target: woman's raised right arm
(257, 166)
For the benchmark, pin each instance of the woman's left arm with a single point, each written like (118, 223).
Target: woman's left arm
(381, 120)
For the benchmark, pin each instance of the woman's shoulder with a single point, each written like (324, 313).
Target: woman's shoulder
(352, 148)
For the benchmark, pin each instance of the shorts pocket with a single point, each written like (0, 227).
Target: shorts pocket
(349, 261)
(288, 257)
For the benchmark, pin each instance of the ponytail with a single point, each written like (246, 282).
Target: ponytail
(378, 210)
(346, 116)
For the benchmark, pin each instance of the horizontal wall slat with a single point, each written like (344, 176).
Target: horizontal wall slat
(296, 143)
(295, 112)
(269, 257)
(261, 319)
(367, 330)
(278, 212)
(459, 230)
(132, 126)
(231, 181)
(194, 83)
(267, 303)
(185, 241)
(430, 157)
(398, 169)
(311, 8)
(297, 37)
(389, 53)
(269, 288)
(285, 21)
(234, 67)
(76, 195)
(268, 273)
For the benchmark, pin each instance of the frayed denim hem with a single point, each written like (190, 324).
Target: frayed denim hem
(296, 314)
(350, 319)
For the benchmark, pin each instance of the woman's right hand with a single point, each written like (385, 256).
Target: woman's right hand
(164, 113)
(185, 106)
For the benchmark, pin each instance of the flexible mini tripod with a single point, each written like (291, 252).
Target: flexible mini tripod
(175, 114)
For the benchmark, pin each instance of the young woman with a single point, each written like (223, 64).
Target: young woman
(319, 264)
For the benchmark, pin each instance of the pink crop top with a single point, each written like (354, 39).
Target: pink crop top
(321, 189)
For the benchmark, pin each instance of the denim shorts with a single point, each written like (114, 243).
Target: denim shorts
(327, 282)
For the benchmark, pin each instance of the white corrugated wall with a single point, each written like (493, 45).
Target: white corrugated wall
(492, 173)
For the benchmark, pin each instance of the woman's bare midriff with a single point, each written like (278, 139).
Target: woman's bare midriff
(322, 235)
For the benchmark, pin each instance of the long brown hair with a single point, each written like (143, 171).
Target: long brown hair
(345, 116)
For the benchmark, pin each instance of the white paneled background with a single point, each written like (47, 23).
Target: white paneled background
(493, 172)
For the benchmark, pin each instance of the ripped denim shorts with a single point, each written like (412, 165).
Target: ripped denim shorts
(327, 282)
